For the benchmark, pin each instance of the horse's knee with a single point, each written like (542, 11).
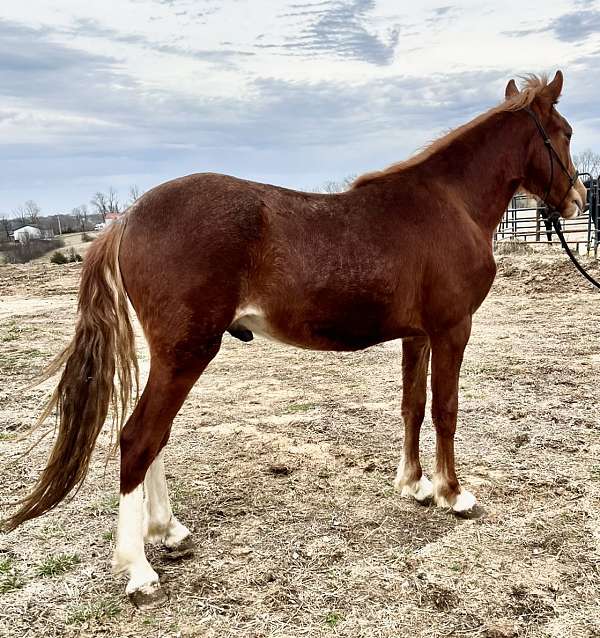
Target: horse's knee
(444, 421)
(414, 413)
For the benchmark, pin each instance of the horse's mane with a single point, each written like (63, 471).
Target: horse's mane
(531, 87)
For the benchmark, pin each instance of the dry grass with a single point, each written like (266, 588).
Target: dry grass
(282, 461)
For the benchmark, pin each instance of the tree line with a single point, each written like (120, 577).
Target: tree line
(587, 161)
(80, 218)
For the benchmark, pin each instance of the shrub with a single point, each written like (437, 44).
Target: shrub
(73, 256)
(59, 258)
(86, 237)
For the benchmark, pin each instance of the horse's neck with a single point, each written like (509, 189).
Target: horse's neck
(486, 165)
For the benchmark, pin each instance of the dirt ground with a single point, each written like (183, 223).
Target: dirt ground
(282, 461)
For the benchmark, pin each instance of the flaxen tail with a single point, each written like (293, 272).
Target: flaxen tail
(103, 347)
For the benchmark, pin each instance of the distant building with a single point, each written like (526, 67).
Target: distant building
(112, 217)
(25, 233)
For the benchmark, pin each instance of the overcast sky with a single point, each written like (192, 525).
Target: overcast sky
(114, 93)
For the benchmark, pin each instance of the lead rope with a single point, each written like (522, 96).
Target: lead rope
(555, 222)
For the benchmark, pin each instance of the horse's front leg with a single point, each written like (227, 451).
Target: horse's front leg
(410, 480)
(446, 358)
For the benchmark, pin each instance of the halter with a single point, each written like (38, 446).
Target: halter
(552, 213)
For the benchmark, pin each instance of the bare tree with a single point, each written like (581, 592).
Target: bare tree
(6, 226)
(80, 216)
(29, 212)
(113, 201)
(332, 186)
(105, 203)
(33, 211)
(21, 214)
(98, 201)
(134, 194)
(587, 161)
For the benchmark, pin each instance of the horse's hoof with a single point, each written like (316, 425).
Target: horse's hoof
(148, 596)
(421, 491)
(183, 549)
(472, 513)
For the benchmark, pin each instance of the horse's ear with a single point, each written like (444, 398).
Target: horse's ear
(511, 90)
(554, 88)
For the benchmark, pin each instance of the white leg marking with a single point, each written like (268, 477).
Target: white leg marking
(463, 503)
(420, 490)
(399, 480)
(129, 553)
(160, 526)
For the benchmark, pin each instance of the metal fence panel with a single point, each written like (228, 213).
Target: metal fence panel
(524, 221)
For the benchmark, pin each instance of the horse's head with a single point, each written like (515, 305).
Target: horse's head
(551, 174)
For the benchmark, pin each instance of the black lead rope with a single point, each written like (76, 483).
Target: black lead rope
(553, 214)
(555, 222)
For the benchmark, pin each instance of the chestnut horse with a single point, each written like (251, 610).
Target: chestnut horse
(405, 253)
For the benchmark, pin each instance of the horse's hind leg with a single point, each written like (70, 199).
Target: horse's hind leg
(143, 437)
(160, 525)
(410, 480)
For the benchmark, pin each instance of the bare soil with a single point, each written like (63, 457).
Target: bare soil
(282, 461)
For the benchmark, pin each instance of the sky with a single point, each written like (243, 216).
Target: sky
(291, 92)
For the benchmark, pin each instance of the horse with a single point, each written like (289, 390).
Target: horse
(548, 225)
(405, 253)
(594, 208)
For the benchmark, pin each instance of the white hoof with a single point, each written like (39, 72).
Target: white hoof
(421, 490)
(176, 533)
(141, 575)
(464, 502)
(169, 534)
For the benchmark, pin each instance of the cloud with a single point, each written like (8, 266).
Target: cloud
(73, 122)
(443, 15)
(337, 27)
(40, 75)
(575, 26)
(108, 125)
(76, 122)
(223, 57)
(30, 61)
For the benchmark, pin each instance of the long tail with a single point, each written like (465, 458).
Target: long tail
(103, 346)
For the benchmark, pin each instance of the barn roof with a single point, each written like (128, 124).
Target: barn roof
(26, 228)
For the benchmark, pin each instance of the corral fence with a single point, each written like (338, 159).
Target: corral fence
(524, 221)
